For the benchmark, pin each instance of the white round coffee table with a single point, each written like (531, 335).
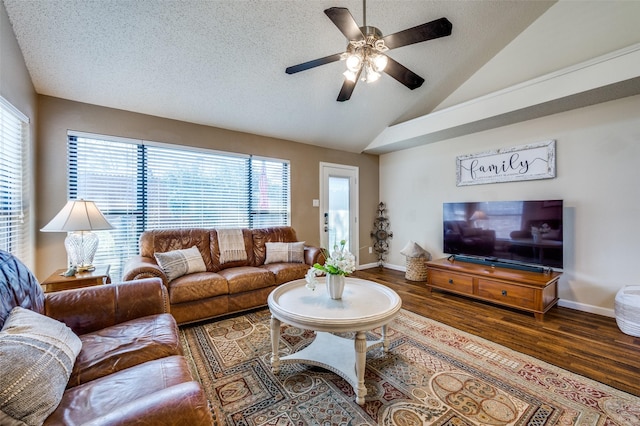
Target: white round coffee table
(364, 306)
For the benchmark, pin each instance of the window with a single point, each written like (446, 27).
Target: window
(15, 236)
(143, 185)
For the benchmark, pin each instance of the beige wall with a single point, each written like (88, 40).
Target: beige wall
(597, 153)
(57, 116)
(16, 87)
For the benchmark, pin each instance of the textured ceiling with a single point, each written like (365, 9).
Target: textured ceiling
(221, 63)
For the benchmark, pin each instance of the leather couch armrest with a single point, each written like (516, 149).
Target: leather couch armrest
(139, 267)
(313, 255)
(93, 308)
(183, 404)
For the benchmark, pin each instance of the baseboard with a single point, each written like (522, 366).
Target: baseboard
(369, 265)
(395, 267)
(562, 302)
(586, 308)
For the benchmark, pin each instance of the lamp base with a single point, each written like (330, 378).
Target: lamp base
(81, 248)
(85, 268)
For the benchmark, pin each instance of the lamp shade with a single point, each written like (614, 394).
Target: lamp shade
(478, 215)
(79, 218)
(78, 215)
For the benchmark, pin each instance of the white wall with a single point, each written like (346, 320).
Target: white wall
(598, 172)
(568, 33)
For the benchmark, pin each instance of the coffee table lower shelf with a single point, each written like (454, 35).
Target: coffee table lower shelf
(364, 306)
(337, 355)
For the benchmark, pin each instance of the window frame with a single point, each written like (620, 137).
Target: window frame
(16, 235)
(148, 149)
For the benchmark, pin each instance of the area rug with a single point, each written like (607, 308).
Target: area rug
(433, 374)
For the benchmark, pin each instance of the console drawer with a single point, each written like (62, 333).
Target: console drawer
(453, 282)
(508, 294)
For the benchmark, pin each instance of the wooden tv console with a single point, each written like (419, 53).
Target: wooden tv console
(530, 291)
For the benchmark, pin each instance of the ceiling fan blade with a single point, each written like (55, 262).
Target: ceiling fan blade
(342, 19)
(347, 88)
(434, 29)
(312, 64)
(403, 74)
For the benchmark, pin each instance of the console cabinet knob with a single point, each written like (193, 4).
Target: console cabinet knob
(504, 292)
(450, 280)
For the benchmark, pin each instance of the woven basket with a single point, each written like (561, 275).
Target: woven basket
(627, 310)
(416, 269)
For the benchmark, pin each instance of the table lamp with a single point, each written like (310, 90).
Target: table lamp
(476, 216)
(78, 218)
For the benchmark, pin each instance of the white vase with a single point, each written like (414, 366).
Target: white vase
(335, 285)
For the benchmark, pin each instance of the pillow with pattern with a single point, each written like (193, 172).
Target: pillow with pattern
(285, 252)
(177, 263)
(37, 354)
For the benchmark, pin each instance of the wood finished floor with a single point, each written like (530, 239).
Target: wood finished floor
(587, 344)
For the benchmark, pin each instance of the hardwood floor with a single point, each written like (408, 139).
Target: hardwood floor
(587, 344)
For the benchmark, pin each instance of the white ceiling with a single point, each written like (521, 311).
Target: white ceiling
(221, 62)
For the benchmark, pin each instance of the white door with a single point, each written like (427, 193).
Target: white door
(339, 206)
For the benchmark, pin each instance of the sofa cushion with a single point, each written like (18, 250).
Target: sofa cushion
(197, 287)
(285, 272)
(38, 354)
(112, 393)
(285, 253)
(215, 251)
(471, 232)
(177, 263)
(165, 240)
(247, 278)
(275, 234)
(124, 345)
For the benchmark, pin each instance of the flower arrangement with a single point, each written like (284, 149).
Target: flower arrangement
(338, 262)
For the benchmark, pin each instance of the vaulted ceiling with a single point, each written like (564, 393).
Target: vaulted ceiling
(221, 62)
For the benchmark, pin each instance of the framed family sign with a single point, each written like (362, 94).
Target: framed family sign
(525, 162)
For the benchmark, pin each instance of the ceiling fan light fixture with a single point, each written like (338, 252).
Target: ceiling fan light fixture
(354, 62)
(379, 62)
(350, 75)
(369, 75)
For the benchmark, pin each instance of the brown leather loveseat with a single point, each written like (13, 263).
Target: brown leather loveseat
(104, 355)
(222, 287)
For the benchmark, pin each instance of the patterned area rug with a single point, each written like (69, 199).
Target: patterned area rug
(433, 374)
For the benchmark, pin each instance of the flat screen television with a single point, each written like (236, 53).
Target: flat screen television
(509, 232)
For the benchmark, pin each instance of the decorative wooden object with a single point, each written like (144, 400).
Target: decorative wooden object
(381, 234)
(530, 291)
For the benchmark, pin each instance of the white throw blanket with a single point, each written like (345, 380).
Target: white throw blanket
(231, 242)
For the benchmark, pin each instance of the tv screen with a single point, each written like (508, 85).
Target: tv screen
(519, 232)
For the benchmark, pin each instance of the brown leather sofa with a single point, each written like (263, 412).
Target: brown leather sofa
(130, 369)
(222, 288)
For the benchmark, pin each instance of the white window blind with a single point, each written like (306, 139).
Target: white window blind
(140, 185)
(15, 235)
(270, 202)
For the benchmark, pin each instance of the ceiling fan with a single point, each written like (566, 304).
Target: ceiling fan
(365, 57)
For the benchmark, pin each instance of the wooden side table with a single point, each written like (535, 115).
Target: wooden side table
(57, 282)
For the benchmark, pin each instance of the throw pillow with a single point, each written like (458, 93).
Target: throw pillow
(37, 354)
(413, 249)
(180, 262)
(285, 252)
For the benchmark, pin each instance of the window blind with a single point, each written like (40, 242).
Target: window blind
(270, 201)
(15, 235)
(142, 185)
